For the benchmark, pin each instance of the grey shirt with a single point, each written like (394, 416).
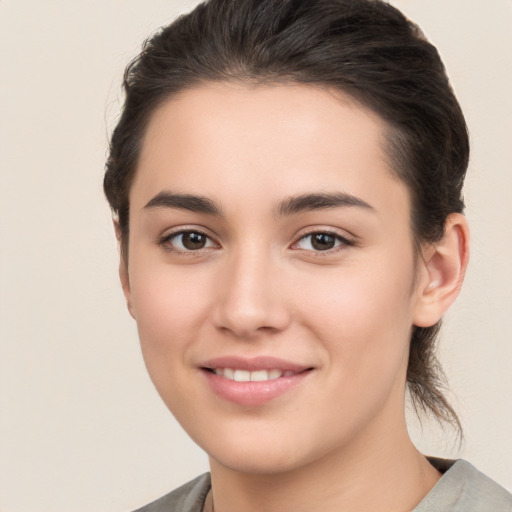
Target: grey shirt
(462, 488)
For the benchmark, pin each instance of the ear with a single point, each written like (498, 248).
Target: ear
(444, 266)
(123, 271)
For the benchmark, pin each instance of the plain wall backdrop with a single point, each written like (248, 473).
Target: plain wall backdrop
(81, 427)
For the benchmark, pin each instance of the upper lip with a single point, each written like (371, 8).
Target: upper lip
(254, 363)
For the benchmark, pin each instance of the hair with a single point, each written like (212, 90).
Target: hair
(366, 49)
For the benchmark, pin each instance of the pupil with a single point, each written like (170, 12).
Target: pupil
(323, 241)
(193, 240)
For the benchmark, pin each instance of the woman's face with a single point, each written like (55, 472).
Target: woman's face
(270, 241)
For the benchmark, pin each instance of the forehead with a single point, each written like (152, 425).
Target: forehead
(271, 140)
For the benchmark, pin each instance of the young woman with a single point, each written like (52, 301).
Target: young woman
(286, 181)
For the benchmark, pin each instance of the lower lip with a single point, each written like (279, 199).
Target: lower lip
(253, 393)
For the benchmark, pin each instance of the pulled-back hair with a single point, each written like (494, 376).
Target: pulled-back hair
(365, 48)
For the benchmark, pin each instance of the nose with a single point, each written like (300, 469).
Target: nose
(250, 297)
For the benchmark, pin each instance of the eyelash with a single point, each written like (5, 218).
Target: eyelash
(166, 241)
(343, 242)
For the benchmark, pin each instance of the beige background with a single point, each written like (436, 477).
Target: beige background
(81, 427)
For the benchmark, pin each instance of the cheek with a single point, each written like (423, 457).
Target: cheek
(365, 317)
(170, 307)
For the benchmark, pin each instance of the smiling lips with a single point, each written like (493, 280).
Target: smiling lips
(252, 382)
(254, 376)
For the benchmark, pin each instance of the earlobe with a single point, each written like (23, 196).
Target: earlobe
(125, 284)
(117, 229)
(123, 272)
(445, 265)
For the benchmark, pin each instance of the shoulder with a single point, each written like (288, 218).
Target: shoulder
(187, 498)
(463, 488)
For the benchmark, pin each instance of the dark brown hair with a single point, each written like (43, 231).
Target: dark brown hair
(364, 48)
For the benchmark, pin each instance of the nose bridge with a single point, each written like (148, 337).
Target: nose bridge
(249, 300)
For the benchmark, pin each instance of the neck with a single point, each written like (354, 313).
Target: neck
(365, 476)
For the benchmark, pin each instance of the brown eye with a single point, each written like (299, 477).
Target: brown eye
(187, 241)
(323, 241)
(193, 241)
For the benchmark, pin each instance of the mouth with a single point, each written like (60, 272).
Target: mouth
(240, 375)
(253, 382)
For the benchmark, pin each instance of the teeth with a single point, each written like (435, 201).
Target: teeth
(274, 374)
(260, 375)
(242, 376)
(254, 376)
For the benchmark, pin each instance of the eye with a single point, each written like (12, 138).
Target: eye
(187, 241)
(321, 241)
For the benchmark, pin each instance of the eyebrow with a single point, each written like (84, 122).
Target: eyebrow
(190, 202)
(320, 201)
(290, 206)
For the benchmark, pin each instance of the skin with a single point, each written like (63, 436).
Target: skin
(338, 440)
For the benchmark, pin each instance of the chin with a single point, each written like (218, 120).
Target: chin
(276, 453)
(258, 462)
